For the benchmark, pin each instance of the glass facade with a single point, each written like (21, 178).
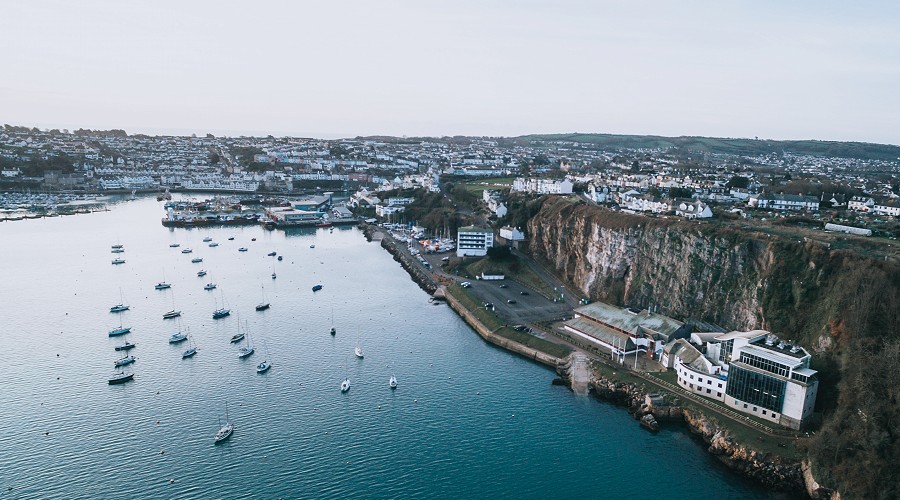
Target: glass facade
(765, 364)
(725, 351)
(756, 388)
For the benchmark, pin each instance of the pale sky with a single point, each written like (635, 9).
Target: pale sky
(339, 68)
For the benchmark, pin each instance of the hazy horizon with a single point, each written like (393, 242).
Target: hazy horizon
(809, 70)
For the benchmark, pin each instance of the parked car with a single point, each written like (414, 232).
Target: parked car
(510, 301)
(465, 284)
(504, 286)
(524, 293)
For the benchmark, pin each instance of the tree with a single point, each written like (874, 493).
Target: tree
(499, 253)
(681, 192)
(738, 181)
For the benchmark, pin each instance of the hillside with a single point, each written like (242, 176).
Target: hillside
(748, 147)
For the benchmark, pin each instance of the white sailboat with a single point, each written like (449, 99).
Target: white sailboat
(358, 350)
(392, 383)
(226, 430)
(266, 364)
(121, 305)
(191, 350)
(162, 285)
(248, 348)
(345, 385)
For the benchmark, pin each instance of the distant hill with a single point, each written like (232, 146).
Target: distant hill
(750, 147)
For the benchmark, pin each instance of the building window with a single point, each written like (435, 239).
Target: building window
(764, 412)
(720, 385)
(708, 391)
(718, 394)
(754, 408)
(692, 377)
(709, 382)
(745, 406)
(755, 388)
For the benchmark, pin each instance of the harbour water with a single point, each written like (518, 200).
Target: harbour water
(467, 421)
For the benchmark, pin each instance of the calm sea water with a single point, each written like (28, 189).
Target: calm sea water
(468, 420)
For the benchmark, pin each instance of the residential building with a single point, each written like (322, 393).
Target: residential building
(694, 209)
(861, 204)
(472, 241)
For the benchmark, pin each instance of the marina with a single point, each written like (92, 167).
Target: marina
(465, 408)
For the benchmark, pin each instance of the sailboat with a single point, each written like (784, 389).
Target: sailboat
(126, 346)
(239, 336)
(262, 306)
(173, 313)
(191, 350)
(127, 360)
(392, 383)
(248, 348)
(226, 430)
(162, 285)
(121, 330)
(358, 350)
(345, 385)
(177, 336)
(221, 312)
(121, 305)
(120, 377)
(333, 331)
(265, 365)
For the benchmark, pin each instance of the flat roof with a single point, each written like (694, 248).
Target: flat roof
(770, 355)
(781, 347)
(741, 335)
(475, 229)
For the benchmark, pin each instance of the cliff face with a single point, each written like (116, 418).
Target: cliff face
(841, 304)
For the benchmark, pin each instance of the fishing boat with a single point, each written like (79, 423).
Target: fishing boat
(345, 385)
(201, 273)
(196, 260)
(316, 288)
(226, 430)
(392, 383)
(262, 306)
(118, 261)
(127, 346)
(120, 378)
(127, 360)
(209, 286)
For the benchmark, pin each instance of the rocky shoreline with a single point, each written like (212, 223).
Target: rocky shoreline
(774, 472)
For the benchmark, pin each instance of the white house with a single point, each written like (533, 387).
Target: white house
(695, 209)
(890, 207)
(473, 241)
(511, 233)
(861, 204)
(542, 186)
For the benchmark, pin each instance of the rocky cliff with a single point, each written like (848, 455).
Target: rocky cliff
(843, 304)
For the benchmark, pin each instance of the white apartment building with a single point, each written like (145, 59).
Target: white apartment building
(861, 204)
(473, 241)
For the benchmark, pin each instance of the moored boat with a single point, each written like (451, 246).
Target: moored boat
(201, 273)
(197, 260)
(127, 360)
(120, 378)
(126, 346)
(221, 313)
(118, 261)
(187, 250)
(345, 385)
(177, 337)
(121, 330)
(162, 285)
(316, 288)
(171, 314)
(263, 367)
(118, 308)
(392, 383)
(209, 286)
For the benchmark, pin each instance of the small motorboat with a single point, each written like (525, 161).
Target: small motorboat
(263, 367)
(316, 288)
(197, 260)
(252, 239)
(231, 238)
(242, 249)
(271, 254)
